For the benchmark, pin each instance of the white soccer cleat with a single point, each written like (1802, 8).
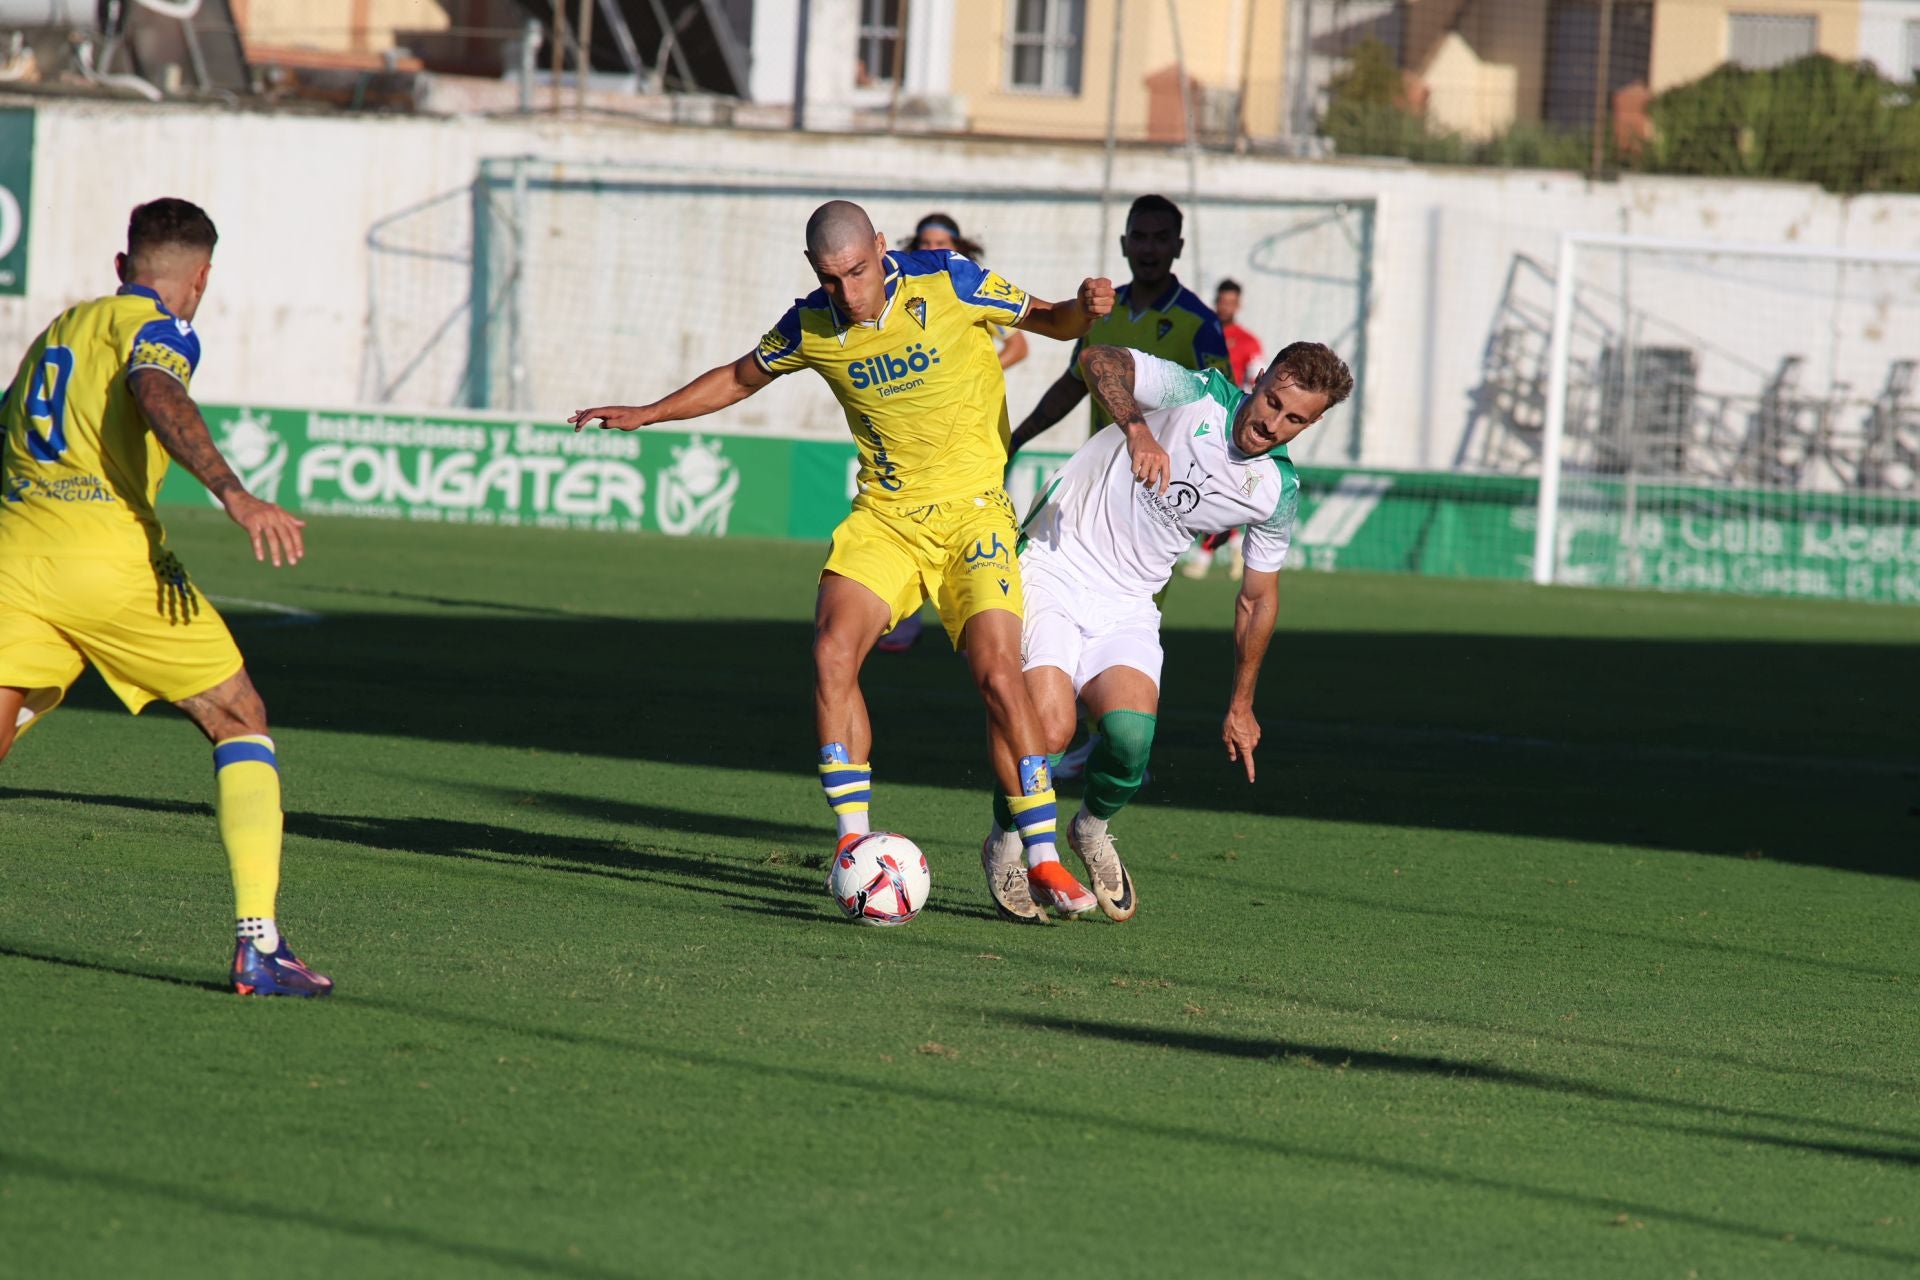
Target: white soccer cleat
(1004, 859)
(1105, 872)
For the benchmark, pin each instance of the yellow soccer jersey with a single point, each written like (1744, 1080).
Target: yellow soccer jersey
(921, 386)
(1179, 327)
(78, 466)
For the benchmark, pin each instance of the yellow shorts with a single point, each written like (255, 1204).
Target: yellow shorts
(148, 630)
(959, 554)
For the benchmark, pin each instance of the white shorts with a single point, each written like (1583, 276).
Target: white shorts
(1084, 632)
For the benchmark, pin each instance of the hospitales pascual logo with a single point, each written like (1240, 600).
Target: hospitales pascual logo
(696, 492)
(257, 452)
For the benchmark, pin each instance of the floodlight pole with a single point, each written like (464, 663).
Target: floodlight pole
(559, 60)
(585, 62)
(1113, 110)
(802, 35)
(1546, 525)
(1603, 78)
(1193, 163)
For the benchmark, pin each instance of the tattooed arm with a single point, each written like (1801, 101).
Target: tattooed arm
(1109, 374)
(176, 423)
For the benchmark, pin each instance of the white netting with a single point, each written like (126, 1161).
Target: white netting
(607, 283)
(1740, 419)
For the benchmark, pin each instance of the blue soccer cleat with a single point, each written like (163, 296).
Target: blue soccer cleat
(257, 973)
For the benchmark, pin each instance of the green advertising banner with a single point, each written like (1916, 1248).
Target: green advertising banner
(16, 197)
(488, 470)
(471, 470)
(1832, 546)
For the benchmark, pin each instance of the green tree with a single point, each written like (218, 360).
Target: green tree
(1839, 124)
(1366, 112)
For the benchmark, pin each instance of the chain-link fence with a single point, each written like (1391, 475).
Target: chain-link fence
(1820, 91)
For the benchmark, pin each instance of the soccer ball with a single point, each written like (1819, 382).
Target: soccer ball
(880, 879)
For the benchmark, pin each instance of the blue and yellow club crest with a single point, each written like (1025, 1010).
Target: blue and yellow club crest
(917, 308)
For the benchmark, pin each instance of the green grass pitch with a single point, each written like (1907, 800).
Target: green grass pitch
(1565, 934)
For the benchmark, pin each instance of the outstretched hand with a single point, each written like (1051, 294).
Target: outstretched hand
(620, 417)
(1241, 733)
(274, 530)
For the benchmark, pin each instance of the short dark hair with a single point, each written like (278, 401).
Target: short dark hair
(166, 222)
(966, 248)
(1228, 285)
(1312, 366)
(1157, 204)
(938, 220)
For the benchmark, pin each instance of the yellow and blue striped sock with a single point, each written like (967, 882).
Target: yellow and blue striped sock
(849, 789)
(246, 777)
(1034, 812)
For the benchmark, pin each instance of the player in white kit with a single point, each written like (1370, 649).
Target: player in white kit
(1188, 454)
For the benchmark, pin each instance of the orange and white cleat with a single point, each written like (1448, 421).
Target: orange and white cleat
(1052, 885)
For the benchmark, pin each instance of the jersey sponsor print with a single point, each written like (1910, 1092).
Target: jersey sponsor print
(81, 468)
(1094, 522)
(921, 385)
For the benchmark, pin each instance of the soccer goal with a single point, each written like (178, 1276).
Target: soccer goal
(1732, 417)
(551, 281)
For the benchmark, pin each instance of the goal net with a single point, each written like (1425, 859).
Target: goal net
(572, 284)
(1739, 418)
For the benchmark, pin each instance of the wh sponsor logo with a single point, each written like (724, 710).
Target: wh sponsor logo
(878, 371)
(985, 555)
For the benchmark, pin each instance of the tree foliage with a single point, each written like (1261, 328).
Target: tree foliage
(1817, 119)
(1841, 125)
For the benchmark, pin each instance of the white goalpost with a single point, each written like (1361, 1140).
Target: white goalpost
(1732, 417)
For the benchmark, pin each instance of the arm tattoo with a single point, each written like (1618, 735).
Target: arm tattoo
(1110, 371)
(182, 432)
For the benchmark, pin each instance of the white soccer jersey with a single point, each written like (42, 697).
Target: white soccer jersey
(1097, 523)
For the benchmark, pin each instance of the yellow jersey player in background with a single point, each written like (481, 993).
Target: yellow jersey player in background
(1153, 312)
(91, 418)
(902, 338)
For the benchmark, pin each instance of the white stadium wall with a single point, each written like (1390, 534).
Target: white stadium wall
(287, 320)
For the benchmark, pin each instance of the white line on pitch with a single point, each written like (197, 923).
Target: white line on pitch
(292, 613)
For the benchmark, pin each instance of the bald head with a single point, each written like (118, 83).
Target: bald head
(846, 257)
(836, 226)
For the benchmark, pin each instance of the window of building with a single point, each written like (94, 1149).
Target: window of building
(879, 40)
(1762, 40)
(1044, 45)
(1573, 56)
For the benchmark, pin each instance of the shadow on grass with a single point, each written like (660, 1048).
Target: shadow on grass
(1698, 746)
(285, 1210)
(510, 847)
(1277, 993)
(995, 1102)
(118, 970)
(1346, 1057)
(1545, 921)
